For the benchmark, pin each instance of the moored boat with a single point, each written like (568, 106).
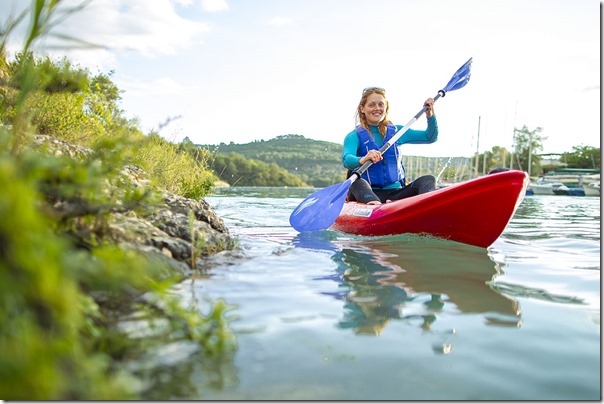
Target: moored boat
(546, 188)
(592, 189)
(474, 212)
(569, 191)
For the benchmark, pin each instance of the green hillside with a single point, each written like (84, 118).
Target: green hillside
(317, 163)
(235, 169)
(313, 162)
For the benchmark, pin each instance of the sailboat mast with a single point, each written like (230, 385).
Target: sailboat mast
(477, 146)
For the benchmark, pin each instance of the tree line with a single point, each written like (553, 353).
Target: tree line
(526, 156)
(293, 160)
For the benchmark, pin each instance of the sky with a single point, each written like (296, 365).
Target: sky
(241, 70)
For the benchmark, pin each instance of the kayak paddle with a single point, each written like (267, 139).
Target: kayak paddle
(320, 209)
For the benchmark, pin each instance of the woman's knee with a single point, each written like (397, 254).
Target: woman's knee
(425, 183)
(361, 191)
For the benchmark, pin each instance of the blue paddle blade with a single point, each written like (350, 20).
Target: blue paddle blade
(460, 78)
(320, 209)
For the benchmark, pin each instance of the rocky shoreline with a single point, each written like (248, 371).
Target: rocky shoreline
(178, 231)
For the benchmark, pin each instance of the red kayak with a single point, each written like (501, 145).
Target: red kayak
(474, 212)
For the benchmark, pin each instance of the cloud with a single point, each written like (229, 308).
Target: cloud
(151, 28)
(184, 3)
(162, 86)
(591, 88)
(213, 6)
(280, 21)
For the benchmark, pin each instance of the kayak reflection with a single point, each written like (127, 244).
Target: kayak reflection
(412, 279)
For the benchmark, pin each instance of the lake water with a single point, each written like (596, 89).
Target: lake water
(329, 316)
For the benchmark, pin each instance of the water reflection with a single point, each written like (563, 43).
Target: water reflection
(188, 379)
(411, 279)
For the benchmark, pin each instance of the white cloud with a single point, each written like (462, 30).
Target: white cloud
(213, 6)
(158, 87)
(140, 25)
(184, 3)
(151, 28)
(280, 21)
(243, 65)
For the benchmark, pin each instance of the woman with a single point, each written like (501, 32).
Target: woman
(385, 179)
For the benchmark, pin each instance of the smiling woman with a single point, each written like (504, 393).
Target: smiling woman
(385, 179)
(331, 199)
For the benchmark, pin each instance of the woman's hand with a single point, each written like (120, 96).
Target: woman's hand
(430, 104)
(373, 155)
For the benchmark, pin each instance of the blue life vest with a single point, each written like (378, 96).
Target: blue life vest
(386, 171)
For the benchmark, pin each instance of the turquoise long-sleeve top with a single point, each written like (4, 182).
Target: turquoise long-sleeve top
(351, 160)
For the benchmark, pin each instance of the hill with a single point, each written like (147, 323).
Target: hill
(315, 162)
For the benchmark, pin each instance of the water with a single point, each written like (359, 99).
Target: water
(328, 316)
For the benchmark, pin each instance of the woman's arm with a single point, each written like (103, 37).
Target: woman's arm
(350, 160)
(430, 135)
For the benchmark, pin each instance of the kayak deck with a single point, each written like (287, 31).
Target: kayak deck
(474, 212)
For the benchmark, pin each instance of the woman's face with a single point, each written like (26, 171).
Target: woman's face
(374, 109)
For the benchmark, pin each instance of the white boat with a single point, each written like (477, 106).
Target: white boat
(546, 188)
(592, 189)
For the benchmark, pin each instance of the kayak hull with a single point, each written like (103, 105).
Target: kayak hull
(474, 212)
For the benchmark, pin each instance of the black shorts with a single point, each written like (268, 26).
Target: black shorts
(361, 191)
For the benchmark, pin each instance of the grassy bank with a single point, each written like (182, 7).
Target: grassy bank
(63, 294)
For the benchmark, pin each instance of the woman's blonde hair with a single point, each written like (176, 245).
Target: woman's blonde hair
(362, 120)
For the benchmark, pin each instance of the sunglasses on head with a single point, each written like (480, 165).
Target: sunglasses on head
(373, 88)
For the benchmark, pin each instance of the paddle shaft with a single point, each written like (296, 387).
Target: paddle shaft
(393, 139)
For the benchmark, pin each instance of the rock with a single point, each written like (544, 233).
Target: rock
(177, 231)
(60, 147)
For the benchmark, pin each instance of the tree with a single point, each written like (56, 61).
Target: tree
(583, 157)
(103, 100)
(235, 169)
(187, 146)
(526, 145)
